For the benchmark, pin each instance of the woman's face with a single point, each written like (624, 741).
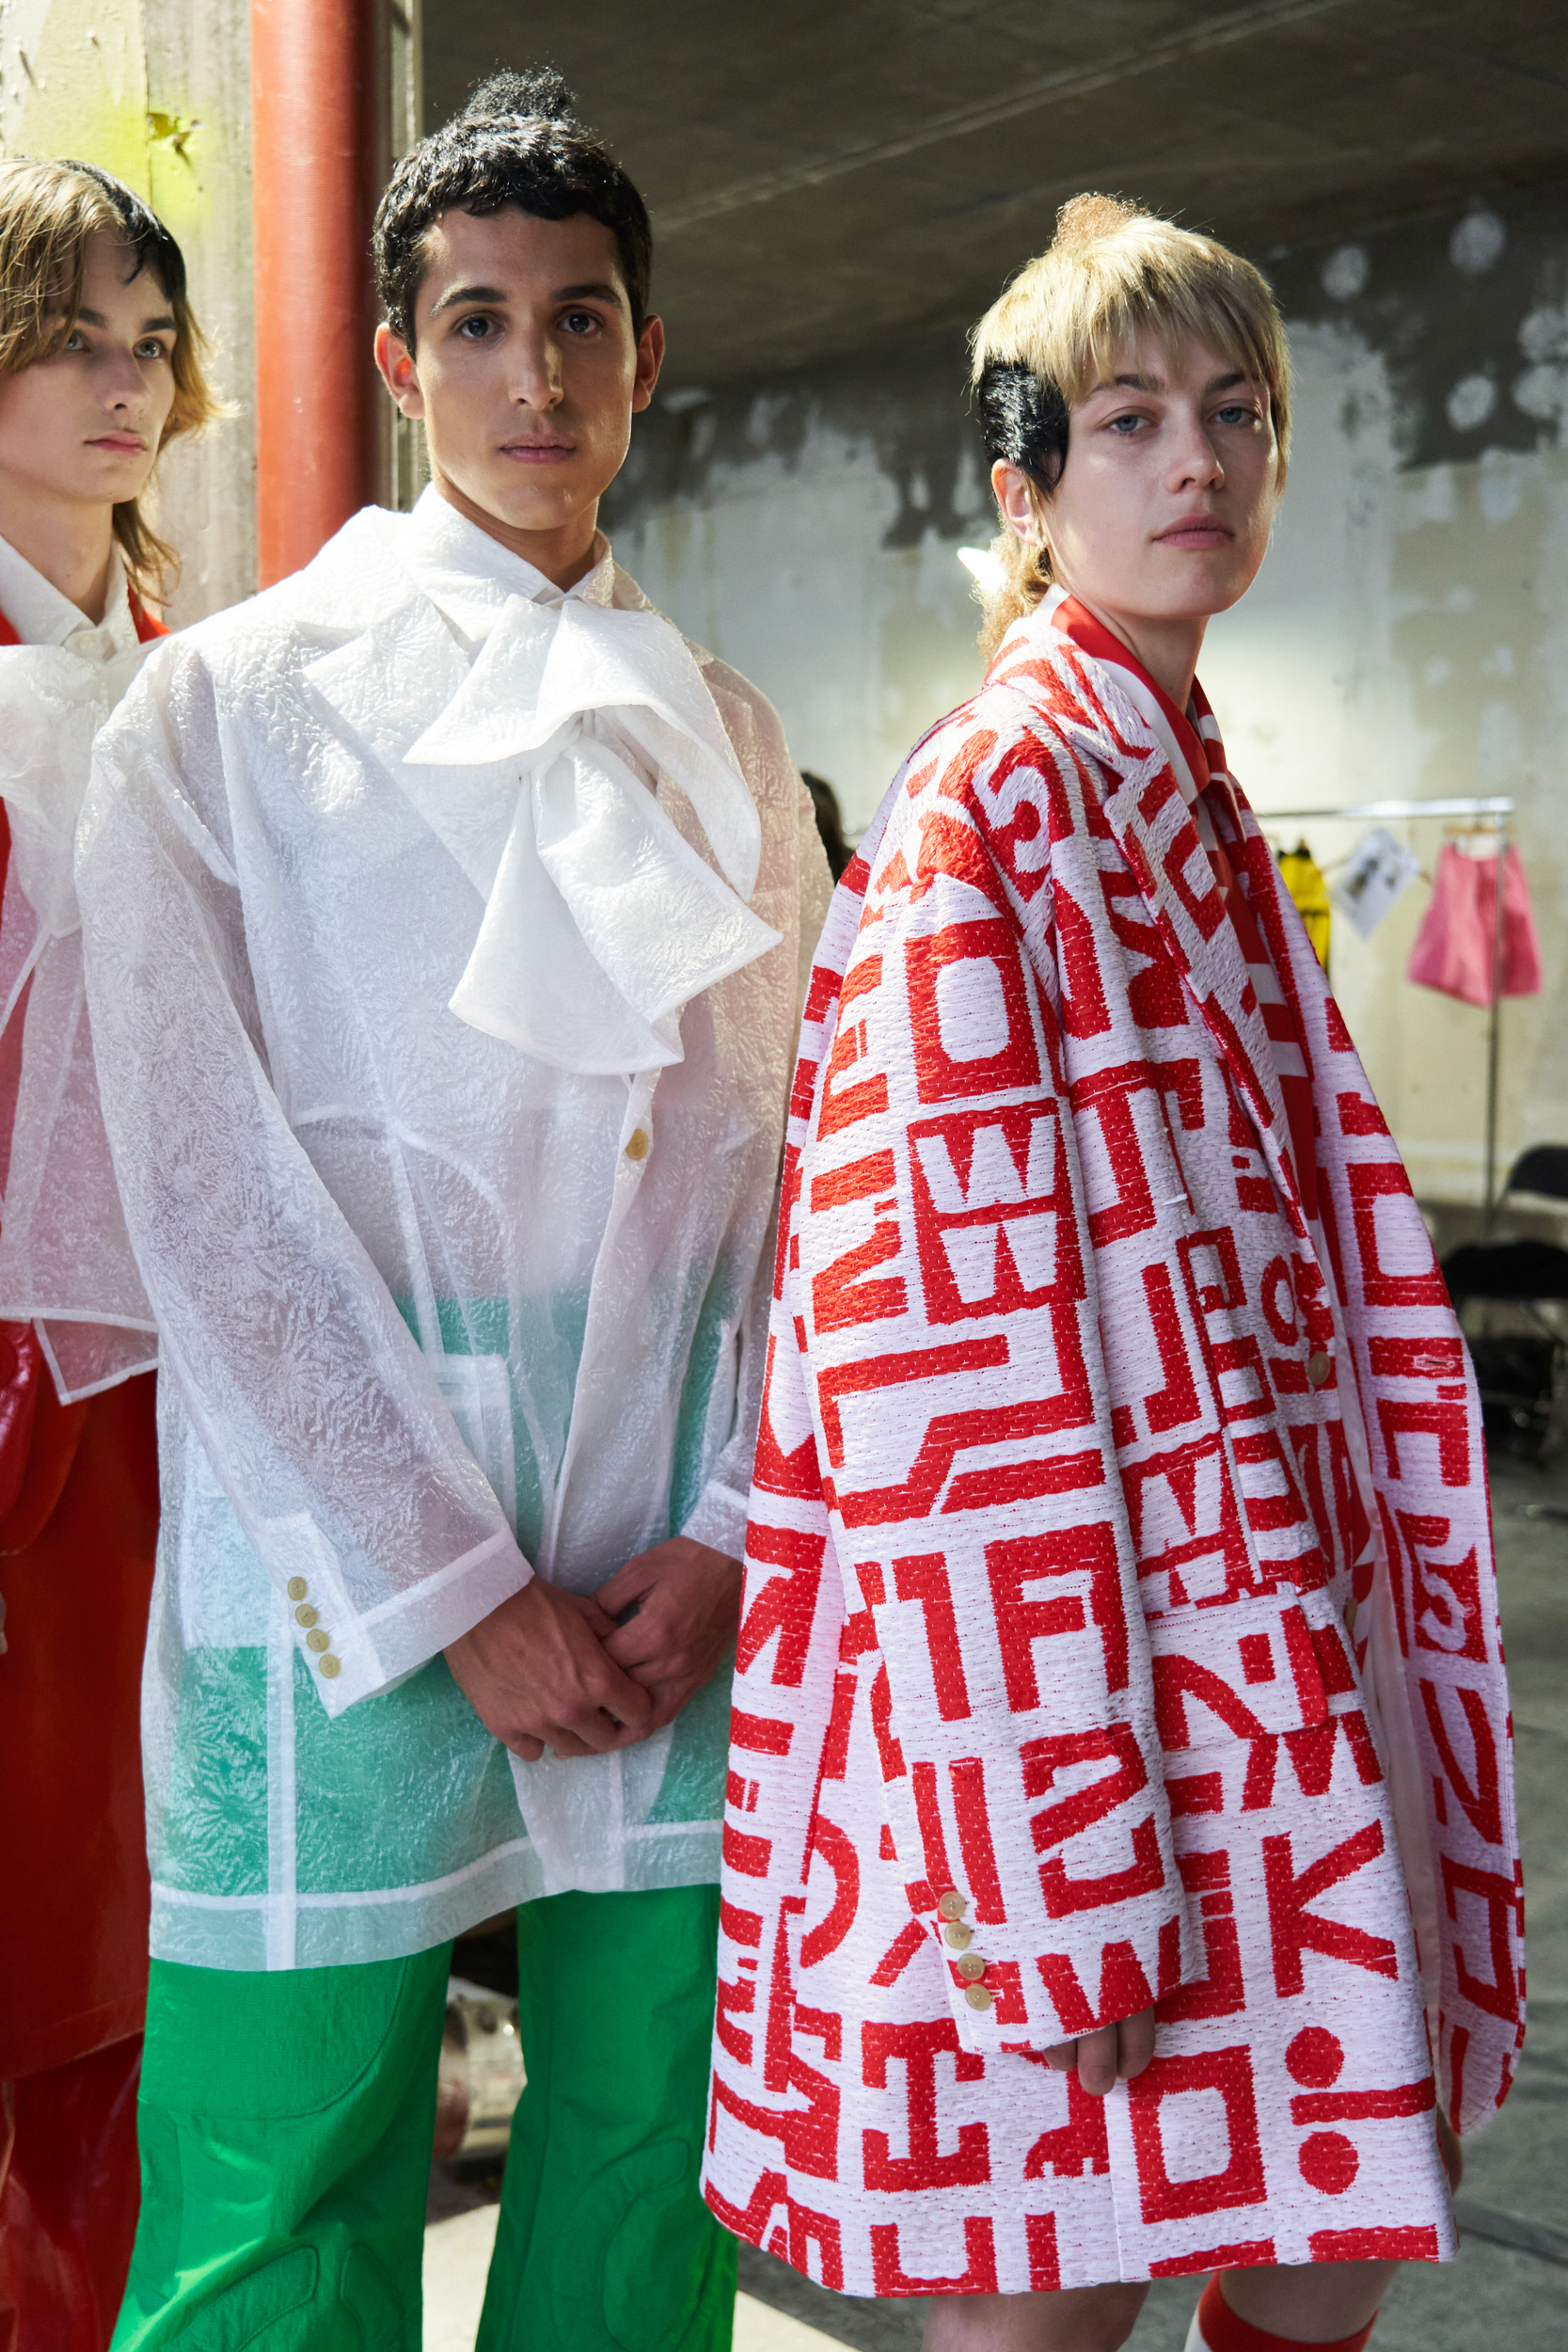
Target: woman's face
(84, 424)
(1164, 507)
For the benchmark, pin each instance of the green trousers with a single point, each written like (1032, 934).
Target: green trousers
(285, 2123)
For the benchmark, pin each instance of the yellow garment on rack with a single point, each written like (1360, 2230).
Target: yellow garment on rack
(1303, 878)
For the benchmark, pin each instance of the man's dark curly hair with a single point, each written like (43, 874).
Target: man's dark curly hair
(518, 141)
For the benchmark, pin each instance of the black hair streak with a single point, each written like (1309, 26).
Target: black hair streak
(143, 231)
(518, 141)
(1024, 421)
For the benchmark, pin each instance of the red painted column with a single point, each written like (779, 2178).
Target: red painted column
(316, 153)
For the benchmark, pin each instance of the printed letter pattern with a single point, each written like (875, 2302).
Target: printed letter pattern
(1118, 1436)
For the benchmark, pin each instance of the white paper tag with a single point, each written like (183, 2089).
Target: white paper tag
(1380, 869)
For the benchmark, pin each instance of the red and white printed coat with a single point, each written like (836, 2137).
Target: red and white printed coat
(1118, 1563)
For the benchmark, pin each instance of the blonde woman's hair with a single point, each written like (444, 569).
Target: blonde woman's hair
(49, 214)
(1112, 275)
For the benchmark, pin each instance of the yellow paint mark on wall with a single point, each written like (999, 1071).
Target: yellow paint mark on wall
(174, 132)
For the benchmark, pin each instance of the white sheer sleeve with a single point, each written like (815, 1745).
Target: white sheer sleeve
(317, 1410)
(719, 1515)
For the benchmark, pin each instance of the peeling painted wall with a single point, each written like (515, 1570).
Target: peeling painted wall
(1408, 636)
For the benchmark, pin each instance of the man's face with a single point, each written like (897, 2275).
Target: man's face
(525, 370)
(82, 425)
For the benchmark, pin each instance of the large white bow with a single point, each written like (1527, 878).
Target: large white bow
(52, 704)
(601, 920)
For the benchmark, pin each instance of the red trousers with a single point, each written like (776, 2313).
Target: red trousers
(68, 2200)
(76, 1551)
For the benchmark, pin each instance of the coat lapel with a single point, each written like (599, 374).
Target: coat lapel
(1153, 828)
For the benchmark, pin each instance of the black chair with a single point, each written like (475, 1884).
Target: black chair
(1522, 1371)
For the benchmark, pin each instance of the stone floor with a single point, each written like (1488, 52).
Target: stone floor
(1508, 2291)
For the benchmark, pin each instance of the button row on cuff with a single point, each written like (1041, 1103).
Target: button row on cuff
(969, 1966)
(316, 1638)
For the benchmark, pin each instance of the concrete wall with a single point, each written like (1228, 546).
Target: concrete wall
(1408, 635)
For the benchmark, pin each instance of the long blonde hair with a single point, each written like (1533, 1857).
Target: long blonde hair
(1111, 274)
(49, 213)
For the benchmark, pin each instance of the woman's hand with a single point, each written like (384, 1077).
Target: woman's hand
(1110, 2054)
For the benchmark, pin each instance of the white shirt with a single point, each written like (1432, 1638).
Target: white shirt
(42, 615)
(469, 575)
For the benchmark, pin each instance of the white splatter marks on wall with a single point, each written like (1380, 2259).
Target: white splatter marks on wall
(1542, 391)
(1346, 272)
(1472, 401)
(1477, 240)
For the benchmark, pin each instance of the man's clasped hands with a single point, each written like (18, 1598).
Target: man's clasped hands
(583, 1674)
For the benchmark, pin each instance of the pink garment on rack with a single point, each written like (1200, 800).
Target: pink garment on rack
(1455, 945)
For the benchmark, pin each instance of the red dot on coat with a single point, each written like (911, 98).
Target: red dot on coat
(1329, 2162)
(1316, 2057)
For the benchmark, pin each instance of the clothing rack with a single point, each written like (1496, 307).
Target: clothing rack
(1499, 808)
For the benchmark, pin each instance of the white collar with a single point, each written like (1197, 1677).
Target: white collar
(542, 771)
(41, 614)
(470, 576)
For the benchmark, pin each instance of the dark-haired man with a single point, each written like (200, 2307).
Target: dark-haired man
(444, 911)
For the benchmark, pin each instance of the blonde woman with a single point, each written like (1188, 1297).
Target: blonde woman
(99, 370)
(1119, 1781)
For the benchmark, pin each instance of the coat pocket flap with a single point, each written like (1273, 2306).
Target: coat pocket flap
(1248, 1671)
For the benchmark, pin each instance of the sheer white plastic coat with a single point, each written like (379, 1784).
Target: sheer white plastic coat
(435, 1308)
(65, 1260)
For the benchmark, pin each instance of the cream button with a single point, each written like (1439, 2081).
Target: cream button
(330, 1666)
(1316, 1368)
(958, 1934)
(970, 1968)
(976, 1996)
(318, 1640)
(636, 1144)
(298, 1588)
(305, 1614)
(951, 1905)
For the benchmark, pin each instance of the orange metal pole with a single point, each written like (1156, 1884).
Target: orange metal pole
(316, 161)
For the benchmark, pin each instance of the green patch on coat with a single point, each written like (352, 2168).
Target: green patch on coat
(694, 1785)
(408, 1783)
(545, 1334)
(688, 1467)
(213, 1832)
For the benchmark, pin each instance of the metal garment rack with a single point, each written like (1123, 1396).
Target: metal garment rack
(1499, 808)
